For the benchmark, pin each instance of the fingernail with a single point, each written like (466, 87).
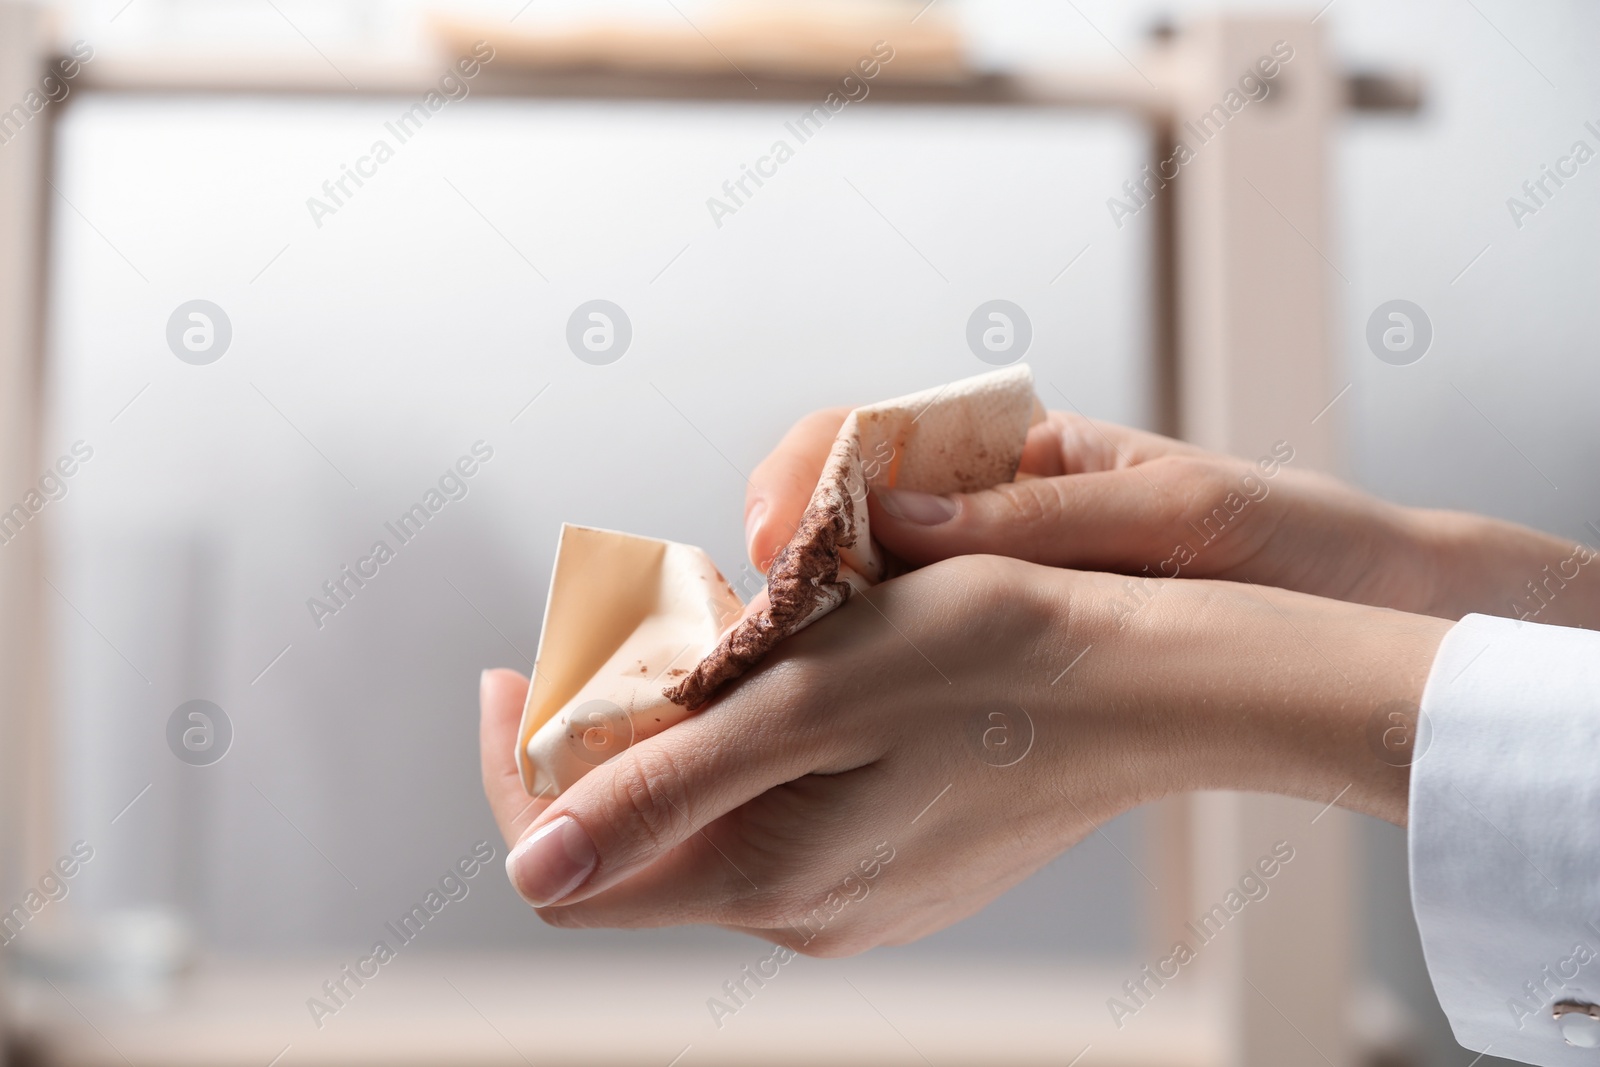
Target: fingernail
(752, 519)
(552, 863)
(924, 509)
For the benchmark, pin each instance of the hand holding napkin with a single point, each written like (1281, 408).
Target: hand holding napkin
(624, 610)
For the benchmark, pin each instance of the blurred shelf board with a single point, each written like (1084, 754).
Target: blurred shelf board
(1088, 87)
(816, 39)
(756, 55)
(247, 74)
(615, 1008)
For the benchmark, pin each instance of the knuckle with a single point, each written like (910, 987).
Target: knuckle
(1030, 504)
(768, 907)
(1075, 421)
(648, 797)
(795, 696)
(1188, 483)
(971, 578)
(1189, 472)
(785, 684)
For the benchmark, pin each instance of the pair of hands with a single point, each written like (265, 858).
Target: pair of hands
(976, 717)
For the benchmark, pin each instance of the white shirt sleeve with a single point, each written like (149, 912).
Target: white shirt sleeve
(1505, 837)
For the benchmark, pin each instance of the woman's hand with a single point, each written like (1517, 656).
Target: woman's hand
(901, 762)
(1099, 496)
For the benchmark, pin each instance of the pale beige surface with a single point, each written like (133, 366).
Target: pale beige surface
(603, 1008)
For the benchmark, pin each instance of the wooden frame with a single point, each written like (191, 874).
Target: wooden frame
(1243, 282)
(24, 789)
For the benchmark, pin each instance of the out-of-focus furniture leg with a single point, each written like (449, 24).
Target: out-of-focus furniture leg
(1255, 274)
(24, 783)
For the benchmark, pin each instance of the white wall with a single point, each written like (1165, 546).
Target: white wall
(378, 348)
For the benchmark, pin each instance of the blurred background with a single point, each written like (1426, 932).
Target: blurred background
(353, 344)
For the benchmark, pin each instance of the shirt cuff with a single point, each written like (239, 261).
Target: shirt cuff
(1505, 834)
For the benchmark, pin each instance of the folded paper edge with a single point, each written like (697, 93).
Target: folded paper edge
(525, 727)
(531, 721)
(807, 578)
(529, 724)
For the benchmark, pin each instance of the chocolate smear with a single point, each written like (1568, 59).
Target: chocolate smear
(802, 582)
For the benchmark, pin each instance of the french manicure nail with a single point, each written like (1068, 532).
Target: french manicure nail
(924, 509)
(552, 863)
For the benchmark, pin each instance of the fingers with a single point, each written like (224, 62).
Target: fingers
(1042, 453)
(501, 694)
(1069, 443)
(766, 866)
(1109, 520)
(744, 868)
(781, 486)
(697, 882)
(1065, 443)
(1100, 496)
(628, 813)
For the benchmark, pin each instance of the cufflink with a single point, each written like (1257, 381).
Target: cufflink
(1579, 1023)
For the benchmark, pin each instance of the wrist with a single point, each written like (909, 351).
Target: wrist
(1262, 690)
(1348, 545)
(1484, 565)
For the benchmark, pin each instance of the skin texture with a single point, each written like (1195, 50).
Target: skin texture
(1098, 496)
(1273, 661)
(749, 814)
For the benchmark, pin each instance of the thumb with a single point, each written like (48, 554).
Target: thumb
(1105, 521)
(625, 814)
